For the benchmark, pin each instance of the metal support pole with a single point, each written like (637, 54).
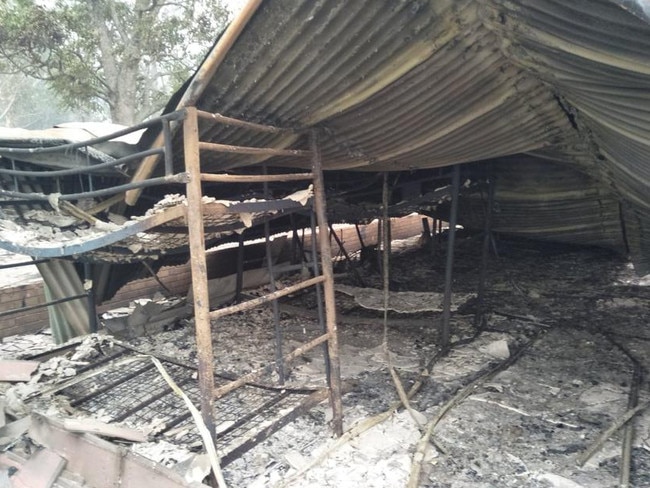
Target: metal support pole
(426, 230)
(351, 263)
(239, 284)
(297, 244)
(434, 237)
(92, 309)
(328, 287)
(319, 295)
(361, 243)
(199, 269)
(479, 316)
(167, 136)
(385, 219)
(380, 264)
(279, 363)
(449, 267)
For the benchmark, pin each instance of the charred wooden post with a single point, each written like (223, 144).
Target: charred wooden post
(449, 266)
(328, 286)
(479, 321)
(199, 269)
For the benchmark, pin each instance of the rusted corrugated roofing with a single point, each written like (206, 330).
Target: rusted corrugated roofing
(400, 85)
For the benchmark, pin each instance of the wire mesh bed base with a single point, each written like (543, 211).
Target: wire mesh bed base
(125, 386)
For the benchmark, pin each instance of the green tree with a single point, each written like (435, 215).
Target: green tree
(123, 57)
(29, 103)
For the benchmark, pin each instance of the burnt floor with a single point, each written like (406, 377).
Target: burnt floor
(582, 318)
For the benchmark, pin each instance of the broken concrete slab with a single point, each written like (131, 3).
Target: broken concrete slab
(17, 370)
(118, 466)
(12, 431)
(40, 471)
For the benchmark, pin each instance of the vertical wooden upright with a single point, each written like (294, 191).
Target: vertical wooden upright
(199, 268)
(328, 287)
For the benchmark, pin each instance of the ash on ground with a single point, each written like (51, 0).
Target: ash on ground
(572, 322)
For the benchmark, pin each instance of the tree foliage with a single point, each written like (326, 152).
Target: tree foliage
(29, 103)
(126, 56)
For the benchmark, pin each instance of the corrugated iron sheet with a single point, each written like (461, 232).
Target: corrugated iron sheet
(549, 201)
(401, 85)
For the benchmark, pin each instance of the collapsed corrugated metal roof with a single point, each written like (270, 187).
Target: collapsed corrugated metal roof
(405, 85)
(553, 95)
(12, 138)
